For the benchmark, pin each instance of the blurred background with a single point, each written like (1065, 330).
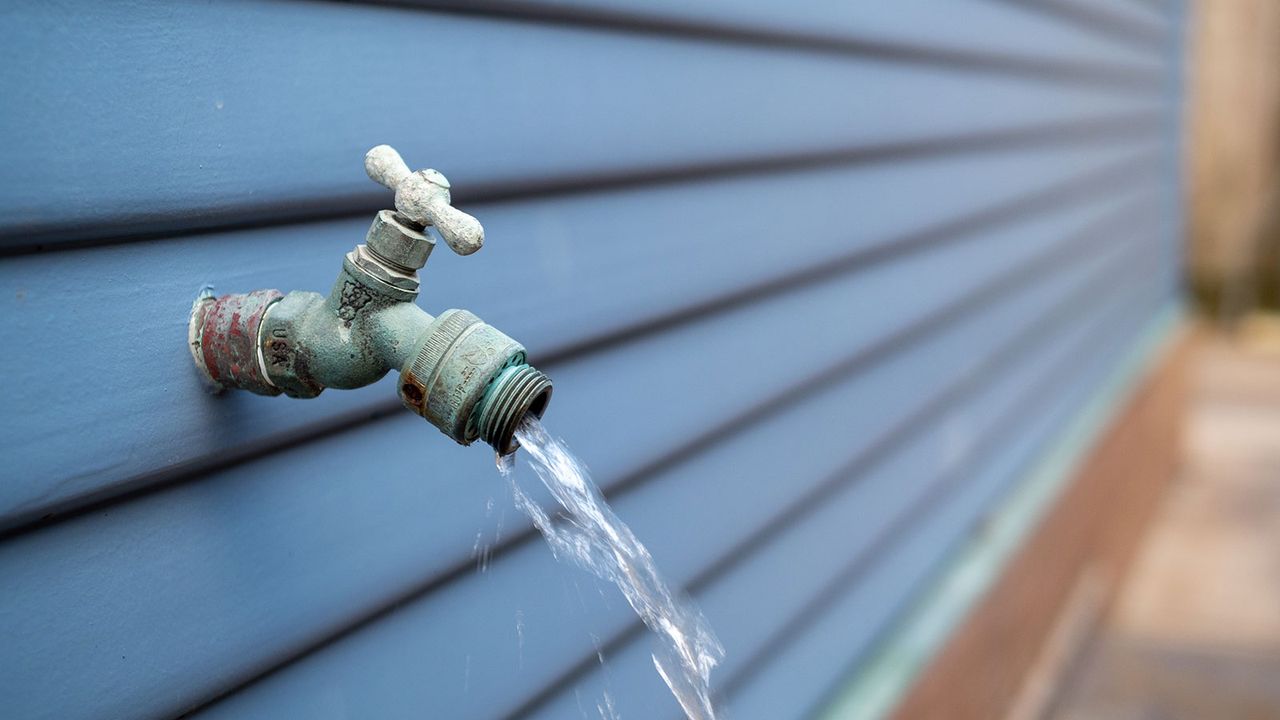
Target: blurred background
(1234, 139)
(1196, 631)
(930, 346)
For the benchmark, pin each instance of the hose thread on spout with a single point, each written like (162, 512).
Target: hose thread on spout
(517, 391)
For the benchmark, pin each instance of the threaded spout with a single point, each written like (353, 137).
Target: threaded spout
(516, 392)
(471, 381)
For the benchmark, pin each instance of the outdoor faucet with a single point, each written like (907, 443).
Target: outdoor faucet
(461, 374)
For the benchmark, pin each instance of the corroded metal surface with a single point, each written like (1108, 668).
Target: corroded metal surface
(461, 374)
(229, 340)
(395, 239)
(384, 278)
(285, 351)
(453, 369)
(517, 391)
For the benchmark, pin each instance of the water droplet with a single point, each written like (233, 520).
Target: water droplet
(520, 638)
(606, 708)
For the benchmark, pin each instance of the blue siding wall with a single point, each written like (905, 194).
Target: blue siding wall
(816, 282)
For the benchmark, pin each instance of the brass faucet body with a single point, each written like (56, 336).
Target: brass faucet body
(464, 376)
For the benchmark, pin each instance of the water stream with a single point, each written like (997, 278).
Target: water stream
(586, 532)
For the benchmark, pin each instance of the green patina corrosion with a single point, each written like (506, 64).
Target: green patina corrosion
(461, 374)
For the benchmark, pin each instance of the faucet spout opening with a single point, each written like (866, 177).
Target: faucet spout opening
(518, 391)
(472, 381)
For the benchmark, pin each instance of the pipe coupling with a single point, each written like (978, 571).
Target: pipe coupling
(471, 381)
(224, 336)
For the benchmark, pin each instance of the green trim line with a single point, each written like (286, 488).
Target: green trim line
(879, 684)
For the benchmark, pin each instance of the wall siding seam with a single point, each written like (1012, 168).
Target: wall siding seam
(907, 630)
(54, 236)
(725, 31)
(1104, 23)
(928, 501)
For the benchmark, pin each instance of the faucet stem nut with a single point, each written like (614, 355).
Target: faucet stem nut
(399, 241)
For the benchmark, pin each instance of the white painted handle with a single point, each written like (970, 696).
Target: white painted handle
(423, 196)
(385, 166)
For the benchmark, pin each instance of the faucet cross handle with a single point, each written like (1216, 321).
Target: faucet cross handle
(423, 197)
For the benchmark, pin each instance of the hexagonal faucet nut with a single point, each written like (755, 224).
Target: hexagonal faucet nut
(380, 275)
(396, 240)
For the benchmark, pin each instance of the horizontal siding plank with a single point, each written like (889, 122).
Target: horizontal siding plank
(753, 603)
(289, 549)
(1126, 22)
(1154, 15)
(619, 246)
(213, 111)
(969, 26)
(799, 673)
(752, 482)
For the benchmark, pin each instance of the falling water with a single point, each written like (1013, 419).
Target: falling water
(587, 532)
